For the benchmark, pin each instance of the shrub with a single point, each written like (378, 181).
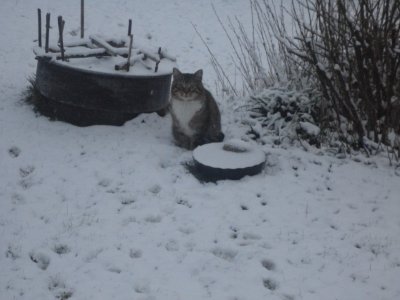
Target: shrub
(348, 50)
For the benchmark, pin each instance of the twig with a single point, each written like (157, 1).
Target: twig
(218, 68)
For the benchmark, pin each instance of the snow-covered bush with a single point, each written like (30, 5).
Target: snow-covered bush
(353, 50)
(348, 50)
(290, 115)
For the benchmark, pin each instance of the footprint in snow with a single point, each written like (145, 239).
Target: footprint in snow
(13, 252)
(244, 207)
(186, 230)
(142, 287)
(18, 199)
(248, 239)
(127, 200)
(333, 227)
(235, 232)
(14, 152)
(155, 189)
(172, 246)
(251, 236)
(104, 182)
(270, 284)
(93, 254)
(58, 287)
(268, 264)
(153, 219)
(27, 179)
(114, 269)
(184, 202)
(135, 253)
(225, 254)
(27, 183)
(61, 249)
(26, 171)
(40, 259)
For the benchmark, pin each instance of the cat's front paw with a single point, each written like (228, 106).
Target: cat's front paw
(220, 137)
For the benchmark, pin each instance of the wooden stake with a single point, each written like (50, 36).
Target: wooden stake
(61, 24)
(129, 53)
(40, 27)
(160, 53)
(130, 27)
(82, 19)
(158, 62)
(46, 47)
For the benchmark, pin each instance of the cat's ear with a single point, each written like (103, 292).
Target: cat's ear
(176, 72)
(199, 74)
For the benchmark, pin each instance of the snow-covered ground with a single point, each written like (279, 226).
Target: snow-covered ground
(112, 213)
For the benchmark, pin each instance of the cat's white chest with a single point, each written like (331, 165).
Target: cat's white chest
(184, 112)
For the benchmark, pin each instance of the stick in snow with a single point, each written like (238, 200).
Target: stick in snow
(40, 27)
(103, 44)
(158, 62)
(61, 24)
(130, 27)
(128, 64)
(47, 32)
(82, 18)
(98, 52)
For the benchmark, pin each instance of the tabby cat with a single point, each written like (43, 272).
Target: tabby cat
(196, 119)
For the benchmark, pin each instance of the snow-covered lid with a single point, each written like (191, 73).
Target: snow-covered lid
(233, 154)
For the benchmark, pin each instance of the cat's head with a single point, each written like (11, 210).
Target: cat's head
(187, 86)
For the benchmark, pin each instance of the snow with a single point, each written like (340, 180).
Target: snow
(237, 145)
(215, 156)
(310, 128)
(76, 47)
(107, 66)
(112, 213)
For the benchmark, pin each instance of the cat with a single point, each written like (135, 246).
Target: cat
(196, 119)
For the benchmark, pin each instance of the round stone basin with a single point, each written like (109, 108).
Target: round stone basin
(85, 96)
